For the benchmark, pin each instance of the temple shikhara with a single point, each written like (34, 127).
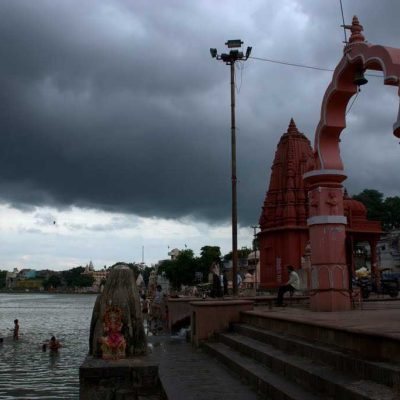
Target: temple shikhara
(284, 232)
(283, 221)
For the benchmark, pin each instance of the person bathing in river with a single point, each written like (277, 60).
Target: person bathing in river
(16, 330)
(53, 345)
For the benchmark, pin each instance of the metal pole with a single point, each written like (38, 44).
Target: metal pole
(234, 192)
(255, 280)
(229, 59)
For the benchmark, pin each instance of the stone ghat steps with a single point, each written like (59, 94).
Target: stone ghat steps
(285, 359)
(380, 372)
(361, 344)
(314, 377)
(268, 384)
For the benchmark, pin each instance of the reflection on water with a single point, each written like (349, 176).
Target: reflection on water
(26, 372)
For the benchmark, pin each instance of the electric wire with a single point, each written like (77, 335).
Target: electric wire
(302, 65)
(315, 68)
(291, 64)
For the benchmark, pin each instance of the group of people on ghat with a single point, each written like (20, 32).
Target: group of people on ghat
(219, 280)
(154, 302)
(220, 283)
(155, 310)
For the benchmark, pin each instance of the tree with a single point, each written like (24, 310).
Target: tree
(146, 274)
(387, 211)
(392, 213)
(208, 254)
(74, 278)
(242, 253)
(373, 201)
(181, 271)
(3, 279)
(53, 281)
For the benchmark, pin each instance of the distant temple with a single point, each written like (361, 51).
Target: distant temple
(99, 276)
(284, 232)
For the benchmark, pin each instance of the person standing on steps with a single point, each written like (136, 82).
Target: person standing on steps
(216, 283)
(291, 285)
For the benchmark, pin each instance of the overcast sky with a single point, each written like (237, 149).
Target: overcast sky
(115, 120)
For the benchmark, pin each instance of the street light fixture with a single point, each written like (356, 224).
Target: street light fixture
(230, 59)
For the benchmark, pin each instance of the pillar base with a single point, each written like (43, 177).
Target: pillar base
(330, 300)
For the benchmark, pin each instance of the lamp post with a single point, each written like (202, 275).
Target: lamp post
(230, 59)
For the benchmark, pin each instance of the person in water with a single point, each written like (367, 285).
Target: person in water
(16, 330)
(53, 344)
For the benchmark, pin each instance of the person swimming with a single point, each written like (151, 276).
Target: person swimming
(53, 345)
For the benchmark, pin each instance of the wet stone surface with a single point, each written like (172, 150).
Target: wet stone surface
(188, 373)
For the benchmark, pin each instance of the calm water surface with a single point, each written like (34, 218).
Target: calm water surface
(25, 371)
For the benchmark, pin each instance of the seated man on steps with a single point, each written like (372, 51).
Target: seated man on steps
(291, 285)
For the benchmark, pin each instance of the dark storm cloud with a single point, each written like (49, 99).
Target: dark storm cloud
(117, 105)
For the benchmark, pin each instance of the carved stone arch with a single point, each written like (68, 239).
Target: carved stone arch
(358, 56)
(327, 221)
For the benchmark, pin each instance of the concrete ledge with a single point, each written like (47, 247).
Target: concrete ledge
(129, 378)
(179, 309)
(211, 317)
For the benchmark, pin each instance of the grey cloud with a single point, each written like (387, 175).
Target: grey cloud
(117, 105)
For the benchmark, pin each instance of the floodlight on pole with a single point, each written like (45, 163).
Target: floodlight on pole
(230, 59)
(248, 52)
(234, 43)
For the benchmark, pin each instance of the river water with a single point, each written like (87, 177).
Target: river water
(25, 371)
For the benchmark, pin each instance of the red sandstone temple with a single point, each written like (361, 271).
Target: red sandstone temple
(283, 221)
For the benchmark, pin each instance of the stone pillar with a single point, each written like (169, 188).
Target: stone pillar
(329, 275)
(375, 273)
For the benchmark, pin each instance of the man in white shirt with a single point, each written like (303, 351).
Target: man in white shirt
(291, 285)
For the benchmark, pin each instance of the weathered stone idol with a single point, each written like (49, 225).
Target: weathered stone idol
(116, 329)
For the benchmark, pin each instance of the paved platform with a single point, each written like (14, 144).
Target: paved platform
(187, 373)
(380, 318)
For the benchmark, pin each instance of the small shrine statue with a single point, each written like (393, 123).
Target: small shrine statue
(113, 345)
(116, 328)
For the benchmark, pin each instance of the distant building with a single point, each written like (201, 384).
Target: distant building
(11, 279)
(26, 274)
(30, 284)
(163, 282)
(98, 276)
(389, 251)
(174, 253)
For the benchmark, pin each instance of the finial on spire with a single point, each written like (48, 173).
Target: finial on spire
(292, 127)
(356, 29)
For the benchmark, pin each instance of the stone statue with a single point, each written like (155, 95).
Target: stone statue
(113, 345)
(116, 329)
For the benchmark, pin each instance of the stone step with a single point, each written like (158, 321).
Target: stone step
(312, 376)
(268, 384)
(379, 372)
(365, 345)
(187, 373)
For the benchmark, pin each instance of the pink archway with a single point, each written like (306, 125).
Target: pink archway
(329, 275)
